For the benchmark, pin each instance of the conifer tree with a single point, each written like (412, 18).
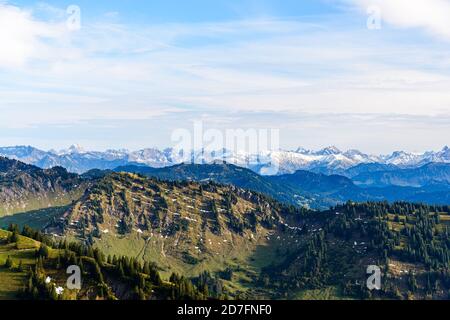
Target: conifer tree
(8, 263)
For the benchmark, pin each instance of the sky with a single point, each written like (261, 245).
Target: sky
(372, 75)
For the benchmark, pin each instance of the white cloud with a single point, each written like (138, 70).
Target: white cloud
(431, 15)
(22, 37)
(109, 73)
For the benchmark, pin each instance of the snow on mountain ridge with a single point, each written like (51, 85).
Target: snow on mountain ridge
(328, 151)
(328, 160)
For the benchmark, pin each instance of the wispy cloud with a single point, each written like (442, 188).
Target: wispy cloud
(431, 15)
(272, 70)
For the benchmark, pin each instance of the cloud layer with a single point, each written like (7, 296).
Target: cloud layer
(136, 80)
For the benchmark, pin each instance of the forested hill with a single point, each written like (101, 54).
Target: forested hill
(323, 256)
(409, 242)
(188, 227)
(34, 267)
(220, 240)
(223, 173)
(25, 187)
(305, 188)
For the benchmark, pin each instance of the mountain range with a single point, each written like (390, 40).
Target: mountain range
(25, 187)
(427, 175)
(316, 190)
(328, 161)
(227, 229)
(137, 237)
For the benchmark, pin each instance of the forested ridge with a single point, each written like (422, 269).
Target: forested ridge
(409, 242)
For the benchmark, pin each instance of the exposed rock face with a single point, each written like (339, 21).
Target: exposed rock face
(25, 187)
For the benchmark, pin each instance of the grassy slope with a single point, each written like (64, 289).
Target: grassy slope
(328, 293)
(12, 281)
(246, 259)
(24, 250)
(245, 255)
(189, 252)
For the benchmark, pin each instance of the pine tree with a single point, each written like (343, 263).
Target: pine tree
(98, 273)
(20, 267)
(121, 271)
(141, 295)
(43, 251)
(146, 268)
(9, 263)
(13, 237)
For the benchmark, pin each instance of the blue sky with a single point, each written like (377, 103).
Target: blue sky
(156, 11)
(138, 70)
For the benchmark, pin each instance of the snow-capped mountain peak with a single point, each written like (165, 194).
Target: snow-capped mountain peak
(303, 150)
(329, 160)
(73, 149)
(402, 158)
(328, 151)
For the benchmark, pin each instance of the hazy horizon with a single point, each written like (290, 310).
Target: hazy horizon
(161, 148)
(115, 75)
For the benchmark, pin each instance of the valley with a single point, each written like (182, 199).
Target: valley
(223, 231)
